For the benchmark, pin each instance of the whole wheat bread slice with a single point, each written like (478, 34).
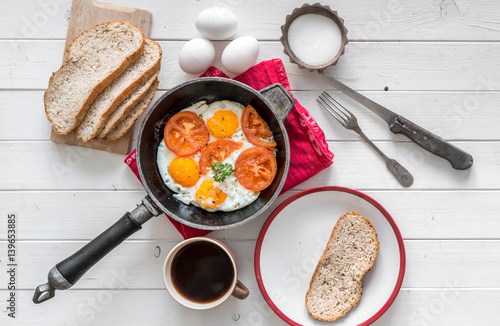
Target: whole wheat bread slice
(136, 111)
(126, 106)
(94, 59)
(336, 285)
(118, 90)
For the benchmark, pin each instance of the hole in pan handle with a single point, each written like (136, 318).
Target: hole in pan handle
(66, 273)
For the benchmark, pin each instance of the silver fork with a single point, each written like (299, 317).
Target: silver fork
(349, 121)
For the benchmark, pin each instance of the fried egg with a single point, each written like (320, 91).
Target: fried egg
(182, 175)
(222, 119)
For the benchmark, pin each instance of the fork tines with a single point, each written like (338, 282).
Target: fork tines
(336, 109)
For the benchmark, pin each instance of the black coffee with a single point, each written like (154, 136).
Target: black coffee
(202, 272)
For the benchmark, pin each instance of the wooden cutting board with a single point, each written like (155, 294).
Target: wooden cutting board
(88, 13)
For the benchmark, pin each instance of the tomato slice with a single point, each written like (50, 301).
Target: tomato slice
(256, 129)
(217, 151)
(255, 168)
(186, 133)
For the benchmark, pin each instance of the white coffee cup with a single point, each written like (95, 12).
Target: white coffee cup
(180, 266)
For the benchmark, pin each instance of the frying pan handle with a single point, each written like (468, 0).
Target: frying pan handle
(66, 273)
(73, 267)
(282, 102)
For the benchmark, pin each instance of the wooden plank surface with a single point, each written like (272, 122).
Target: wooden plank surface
(82, 214)
(84, 15)
(67, 167)
(390, 20)
(430, 263)
(406, 66)
(112, 306)
(454, 115)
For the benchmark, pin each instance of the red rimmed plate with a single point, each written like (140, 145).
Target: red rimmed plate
(293, 239)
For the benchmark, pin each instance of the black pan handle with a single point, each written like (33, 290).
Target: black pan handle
(73, 267)
(66, 273)
(458, 158)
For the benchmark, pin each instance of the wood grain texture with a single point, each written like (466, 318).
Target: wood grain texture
(424, 20)
(438, 58)
(407, 66)
(84, 15)
(452, 115)
(112, 306)
(67, 167)
(82, 214)
(433, 264)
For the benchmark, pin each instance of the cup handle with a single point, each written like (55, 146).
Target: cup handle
(240, 291)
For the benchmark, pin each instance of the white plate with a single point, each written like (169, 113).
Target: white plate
(293, 239)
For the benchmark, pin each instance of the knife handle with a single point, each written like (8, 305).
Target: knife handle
(459, 159)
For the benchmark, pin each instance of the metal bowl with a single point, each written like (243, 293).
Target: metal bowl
(313, 9)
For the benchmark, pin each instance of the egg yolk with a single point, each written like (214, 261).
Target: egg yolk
(223, 124)
(209, 196)
(184, 171)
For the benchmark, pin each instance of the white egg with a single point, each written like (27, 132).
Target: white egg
(216, 23)
(240, 54)
(196, 56)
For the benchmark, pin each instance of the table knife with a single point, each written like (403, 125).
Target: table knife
(458, 158)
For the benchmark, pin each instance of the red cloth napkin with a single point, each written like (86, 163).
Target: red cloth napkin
(309, 153)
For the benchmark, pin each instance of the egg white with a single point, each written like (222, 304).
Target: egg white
(197, 107)
(237, 196)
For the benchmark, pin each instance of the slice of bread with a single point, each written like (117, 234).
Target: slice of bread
(126, 106)
(94, 59)
(336, 284)
(128, 122)
(118, 90)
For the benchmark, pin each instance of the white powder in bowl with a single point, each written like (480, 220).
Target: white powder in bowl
(314, 39)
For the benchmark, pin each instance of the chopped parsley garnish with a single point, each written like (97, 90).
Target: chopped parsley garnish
(222, 171)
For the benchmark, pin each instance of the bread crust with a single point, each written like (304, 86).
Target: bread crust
(110, 125)
(143, 78)
(127, 123)
(99, 86)
(123, 95)
(324, 256)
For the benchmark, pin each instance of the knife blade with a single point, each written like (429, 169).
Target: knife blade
(398, 124)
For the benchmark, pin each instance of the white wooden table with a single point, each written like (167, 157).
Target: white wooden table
(435, 62)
